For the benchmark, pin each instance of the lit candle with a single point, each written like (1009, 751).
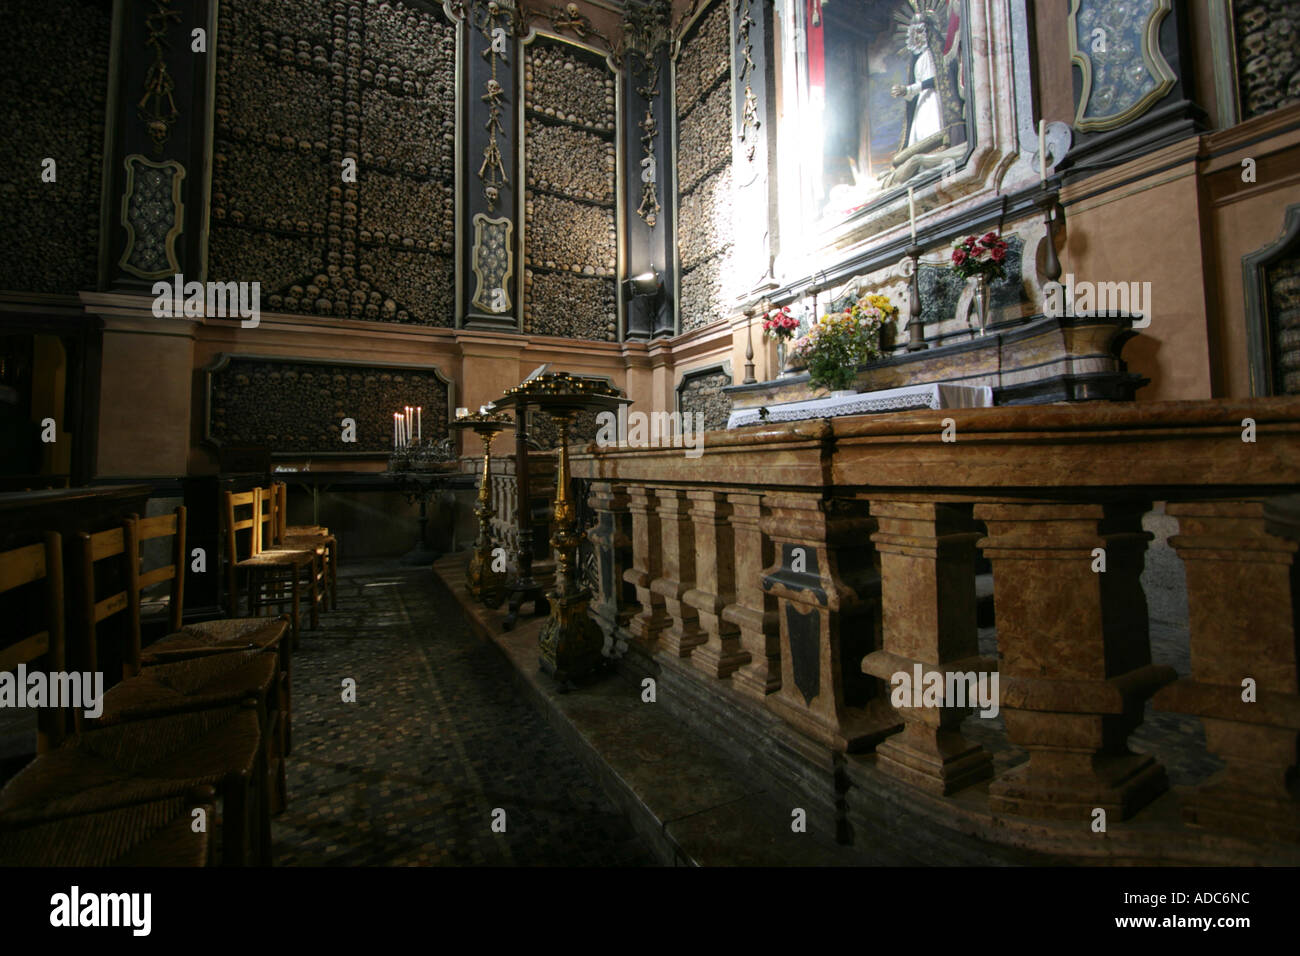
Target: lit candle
(1042, 150)
(911, 211)
(409, 431)
(419, 422)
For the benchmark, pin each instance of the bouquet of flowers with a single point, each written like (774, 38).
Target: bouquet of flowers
(779, 324)
(983, 256)
(839, 342)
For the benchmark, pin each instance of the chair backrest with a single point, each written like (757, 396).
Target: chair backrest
(21, 567)
(280, 497)
(165, 526)
(268, 512)
(235, 521)
(103, 554)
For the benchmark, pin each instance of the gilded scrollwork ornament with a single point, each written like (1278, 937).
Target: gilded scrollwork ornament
(157, 107)
(645, 35)
(496, 22)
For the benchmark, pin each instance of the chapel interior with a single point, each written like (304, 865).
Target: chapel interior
(424, 421)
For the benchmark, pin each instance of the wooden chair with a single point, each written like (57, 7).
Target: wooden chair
(154, 833)
(306, 535)
(19, 568)
(202, 683)
(273, 540)
(231, 635)
(151, 760)
(275, 576)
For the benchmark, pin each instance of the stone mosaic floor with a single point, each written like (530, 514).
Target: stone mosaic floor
(439, 738)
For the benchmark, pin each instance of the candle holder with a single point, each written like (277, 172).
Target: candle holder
(571, 641)
(486, 584)
(915, 325)
(1053, 213)
(422, 469)
(749, 348)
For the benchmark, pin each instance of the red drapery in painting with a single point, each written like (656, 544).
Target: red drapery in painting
(816, 52)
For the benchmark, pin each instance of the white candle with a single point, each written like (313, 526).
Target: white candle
(419, 422)
(394, 430)
(409, 431)
(911, 211)
(1042, 150)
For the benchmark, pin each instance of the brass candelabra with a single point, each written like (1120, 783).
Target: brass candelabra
(484, 579)
(571, 641)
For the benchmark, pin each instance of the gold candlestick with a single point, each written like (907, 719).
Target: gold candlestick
(571, 641)
(485, 582)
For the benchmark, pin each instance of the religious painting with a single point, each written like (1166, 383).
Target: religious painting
(885, 91)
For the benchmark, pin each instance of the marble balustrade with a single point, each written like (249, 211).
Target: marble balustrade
(802, 565)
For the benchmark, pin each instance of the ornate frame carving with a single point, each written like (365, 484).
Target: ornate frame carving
(223, 359)
(178, 216)
(481, 225)
(1151, 54)
(1259, 340)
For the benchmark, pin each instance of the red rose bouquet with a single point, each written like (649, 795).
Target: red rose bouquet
(780, 325)
(984, 256)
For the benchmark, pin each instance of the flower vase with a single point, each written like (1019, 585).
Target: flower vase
(780, 358)
(980, 301)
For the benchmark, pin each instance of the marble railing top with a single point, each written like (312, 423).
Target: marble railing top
(1165, 448)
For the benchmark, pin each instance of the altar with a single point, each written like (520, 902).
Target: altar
(838, 404)
(1033, 361)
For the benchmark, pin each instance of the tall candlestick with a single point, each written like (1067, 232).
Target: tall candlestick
(419, 423)
(1042, 149)
(911, 211)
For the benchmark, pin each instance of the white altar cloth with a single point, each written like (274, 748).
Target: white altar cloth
(868, 403)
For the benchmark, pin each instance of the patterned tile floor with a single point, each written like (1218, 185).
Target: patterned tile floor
(438, 738)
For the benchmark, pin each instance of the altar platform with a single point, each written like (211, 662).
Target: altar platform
(1073, 358)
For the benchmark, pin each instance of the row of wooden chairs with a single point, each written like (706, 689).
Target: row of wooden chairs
(196, 726)
(281, 563)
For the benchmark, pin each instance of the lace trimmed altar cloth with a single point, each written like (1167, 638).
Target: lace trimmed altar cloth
(904, 399)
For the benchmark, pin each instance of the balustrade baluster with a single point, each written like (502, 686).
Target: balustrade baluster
(683, 634)
(927, 568)
(755, 610)
(828, 606)
(715, 584)
(613, 545)
(1075, 666)
(647, 562)
(1242, 584)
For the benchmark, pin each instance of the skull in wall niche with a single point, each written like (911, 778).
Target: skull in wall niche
(492, 194)
(1254, 43)
(1253, 19)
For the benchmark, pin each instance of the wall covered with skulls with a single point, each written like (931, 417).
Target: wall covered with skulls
(299, 83)
(570, 200)
(52, 96)
(705, 235)
(1268, 54)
